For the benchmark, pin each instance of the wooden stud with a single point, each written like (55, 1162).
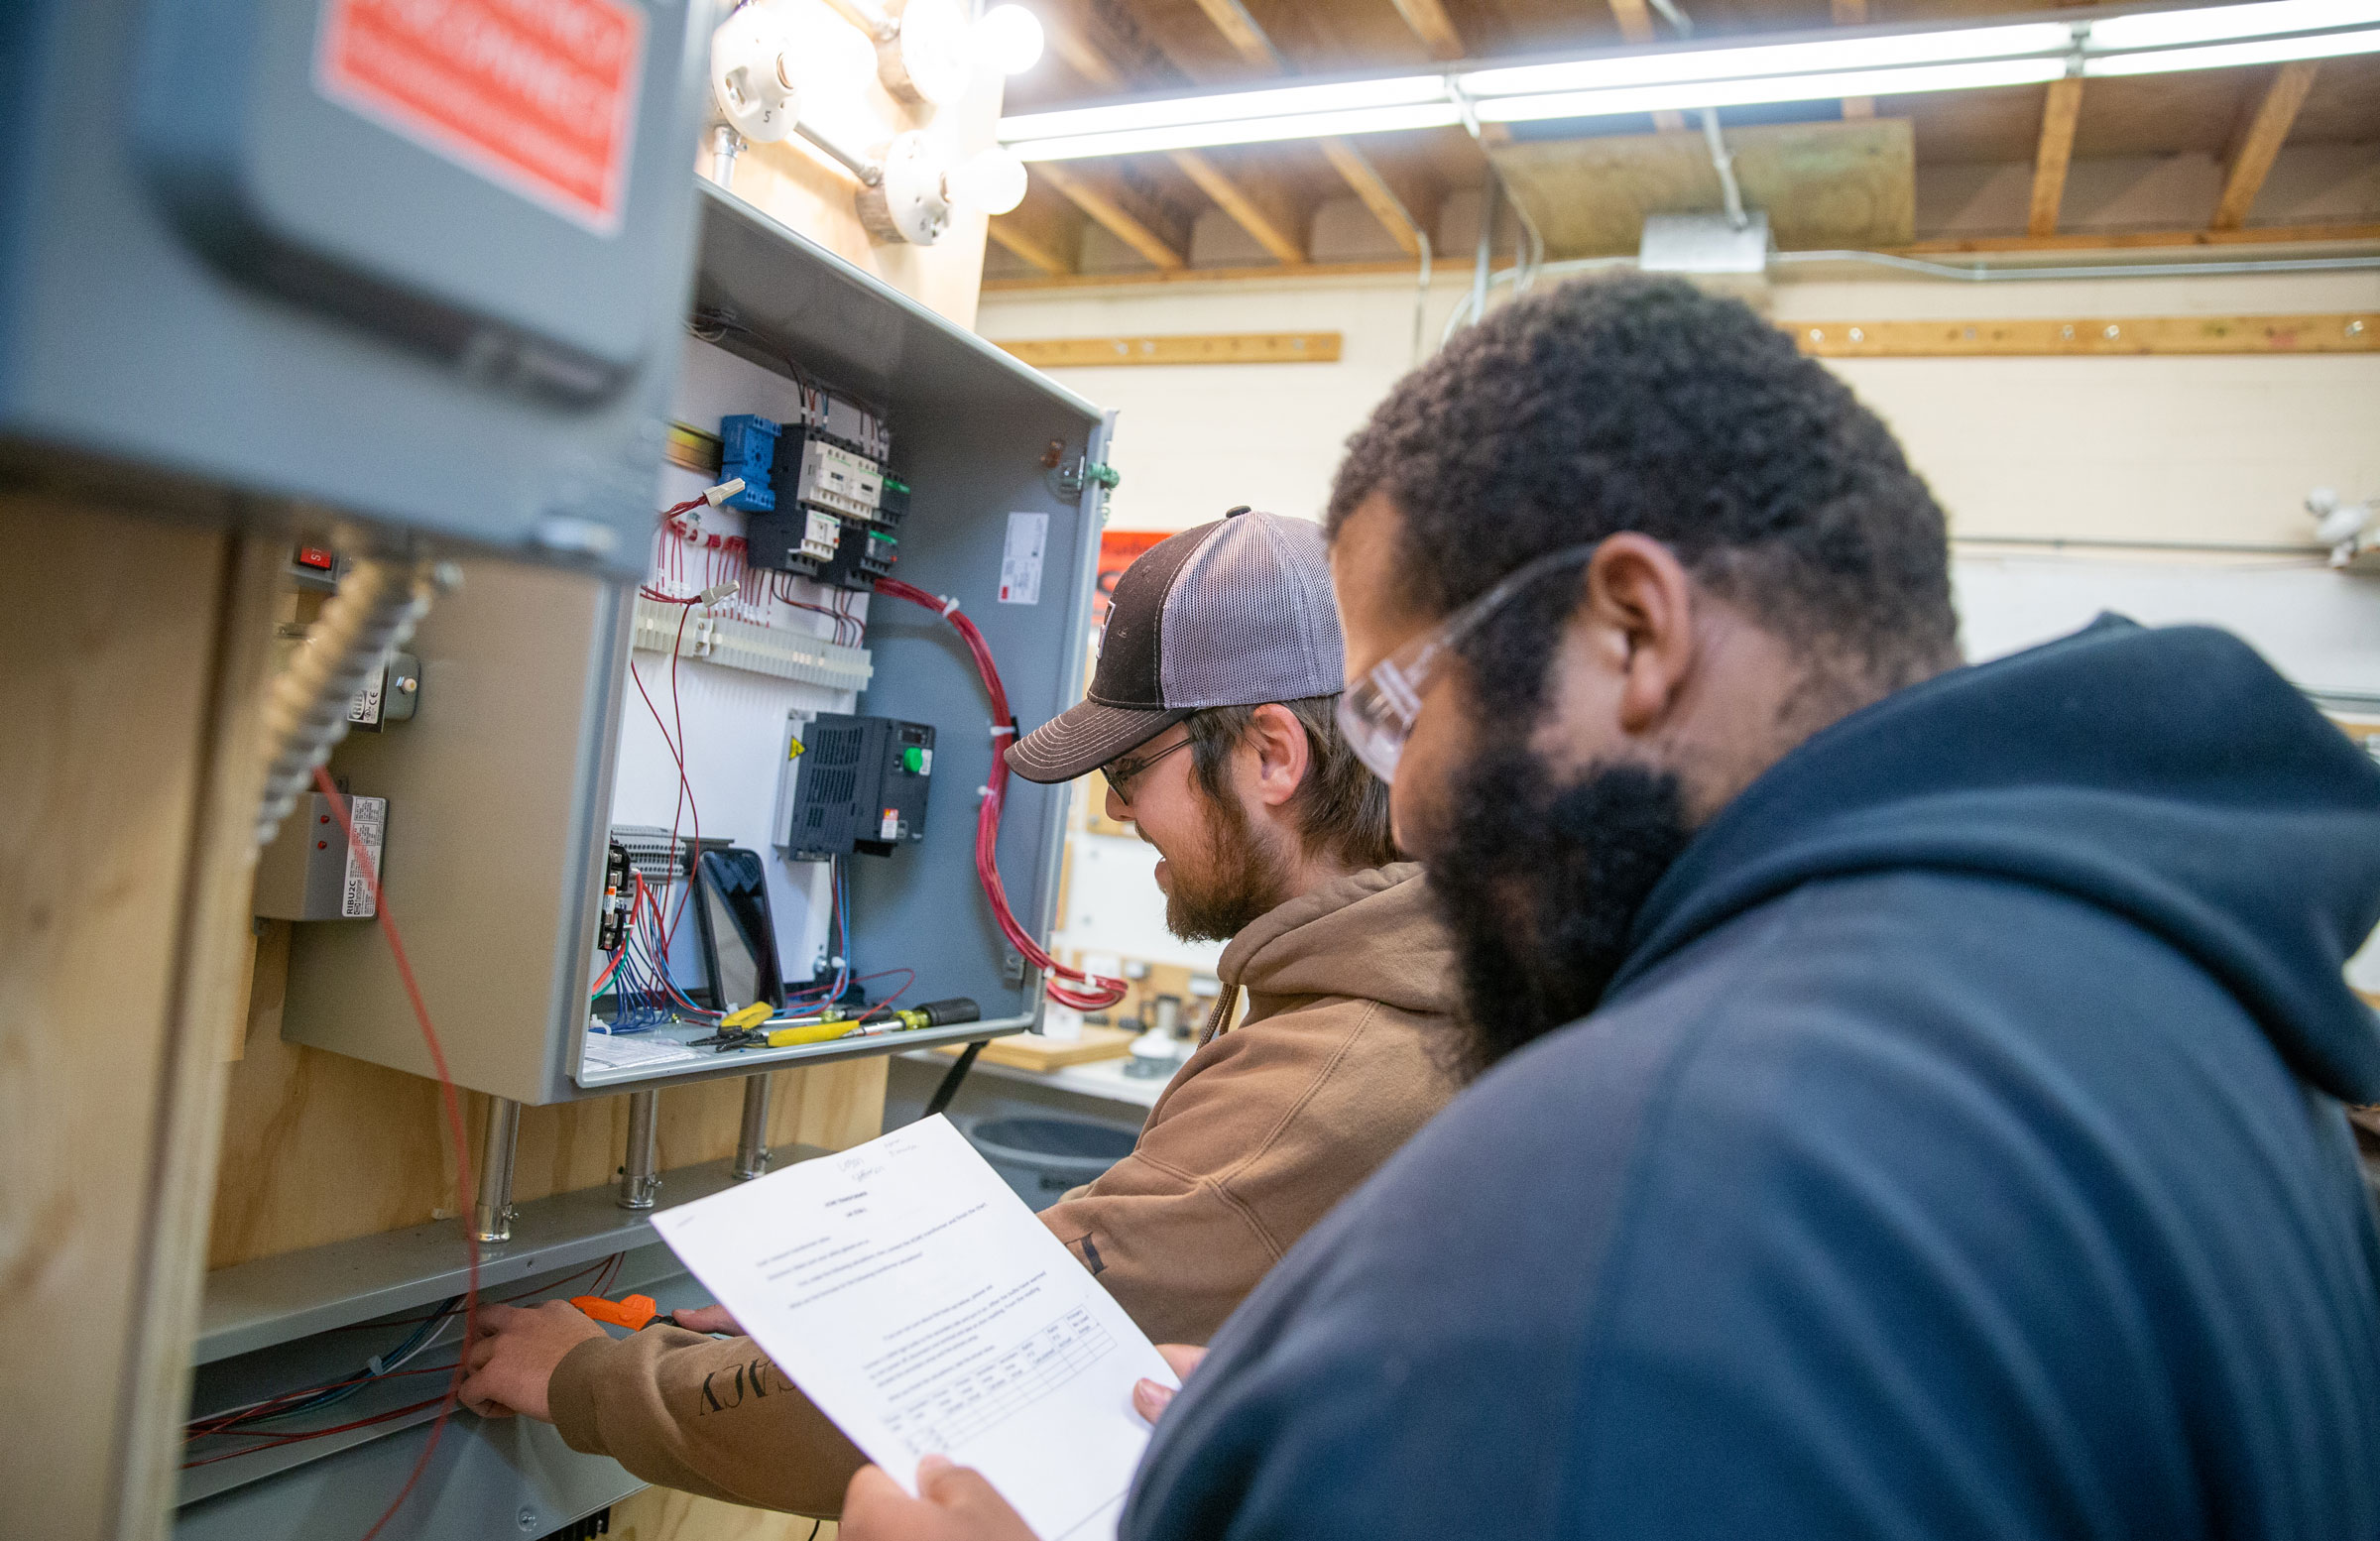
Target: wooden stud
(1263, 205)
(1853, 13)
(1137, 220)
(2101, 336)
(1635, 20)
(1432, 26)
(1188, 348)
(2262, 143)
(2056, 151)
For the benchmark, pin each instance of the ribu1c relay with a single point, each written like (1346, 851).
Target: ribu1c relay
(859, 785)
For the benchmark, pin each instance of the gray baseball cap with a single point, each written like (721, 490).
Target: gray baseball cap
(1235, 612)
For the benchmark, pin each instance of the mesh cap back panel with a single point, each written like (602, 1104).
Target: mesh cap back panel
(1251, 617)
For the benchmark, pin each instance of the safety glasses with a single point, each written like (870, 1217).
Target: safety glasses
(1121, 771)
(1377, 712)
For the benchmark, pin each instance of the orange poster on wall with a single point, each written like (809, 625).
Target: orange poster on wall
(1118, 549)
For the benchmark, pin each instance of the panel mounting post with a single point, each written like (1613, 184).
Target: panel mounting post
(492, 1213)
(640, 1182)
(752, 1144)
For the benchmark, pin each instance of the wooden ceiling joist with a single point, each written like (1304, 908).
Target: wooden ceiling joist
(1853, 13)
(1400, 211)
(2252, 162)
(1131, 217)
(1432, 26)
(2056, 151)
(1635, 22)
(1240, 31)
(1273, 216)
(1267, 207)
(1046, 232)
(1405, 208)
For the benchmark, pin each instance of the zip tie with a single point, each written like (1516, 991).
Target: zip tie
(948, 605)
(999, 728)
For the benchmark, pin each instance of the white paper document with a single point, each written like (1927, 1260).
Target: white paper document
(921, 1306)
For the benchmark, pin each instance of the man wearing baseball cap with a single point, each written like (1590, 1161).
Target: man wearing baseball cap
(1224, 641)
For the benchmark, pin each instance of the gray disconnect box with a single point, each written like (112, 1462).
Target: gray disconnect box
(326, 254)
(309, 871)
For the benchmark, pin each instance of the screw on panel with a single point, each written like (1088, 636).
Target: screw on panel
(527, 1520)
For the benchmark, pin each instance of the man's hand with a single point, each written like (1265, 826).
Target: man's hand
(514, 1356)
(953, 1503)
(706, 1319)
(1149, 1396)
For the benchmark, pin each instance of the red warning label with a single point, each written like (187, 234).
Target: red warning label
(537, 95)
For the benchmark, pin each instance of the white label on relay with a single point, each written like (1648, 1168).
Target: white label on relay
(1020, 562)
(370, 816)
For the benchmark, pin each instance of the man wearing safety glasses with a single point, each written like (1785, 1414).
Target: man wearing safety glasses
(1908, 1096)
(1222, 641)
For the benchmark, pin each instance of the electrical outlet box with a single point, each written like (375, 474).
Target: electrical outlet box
(421, 267)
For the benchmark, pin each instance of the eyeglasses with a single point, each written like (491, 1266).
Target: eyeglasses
(1377, 712)
(1123, 769)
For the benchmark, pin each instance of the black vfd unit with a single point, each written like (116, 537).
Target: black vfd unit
(859, 785)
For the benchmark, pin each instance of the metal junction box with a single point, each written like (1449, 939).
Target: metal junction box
(532, 745)
(418, 266)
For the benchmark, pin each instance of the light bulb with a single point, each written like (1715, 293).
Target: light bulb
(991, 181)
(934, 46)
(1009, 39)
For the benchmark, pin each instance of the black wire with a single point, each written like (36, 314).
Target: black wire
(952, 1077)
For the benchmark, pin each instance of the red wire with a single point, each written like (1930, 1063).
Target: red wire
(454, 1128)
(360, 1423)
(677, 712)
(1101, 992)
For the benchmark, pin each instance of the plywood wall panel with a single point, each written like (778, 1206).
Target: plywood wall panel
(128, 717)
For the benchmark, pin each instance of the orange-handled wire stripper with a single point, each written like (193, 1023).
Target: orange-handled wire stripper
(634, 1312)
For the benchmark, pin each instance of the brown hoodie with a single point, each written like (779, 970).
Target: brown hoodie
(1262, 1131)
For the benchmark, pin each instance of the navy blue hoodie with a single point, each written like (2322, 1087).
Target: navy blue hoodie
(1958, 1154)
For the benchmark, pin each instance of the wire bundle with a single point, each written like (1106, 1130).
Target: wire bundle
(1101, 992)
(241, 1422)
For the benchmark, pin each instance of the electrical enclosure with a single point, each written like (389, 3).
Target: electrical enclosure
(534, 751)
(243, 252)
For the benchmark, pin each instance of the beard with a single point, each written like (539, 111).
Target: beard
(1236, 878)
(1540, 884)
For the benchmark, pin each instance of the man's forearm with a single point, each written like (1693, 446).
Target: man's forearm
(707, 1415)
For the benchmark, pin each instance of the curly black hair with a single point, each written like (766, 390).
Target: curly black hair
(1644, 403)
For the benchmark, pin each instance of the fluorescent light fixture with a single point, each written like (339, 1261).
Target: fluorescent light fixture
(2018, 52)
(2223, 22)
(1786, 89)
(2226, 56)
(1224, 107)
(1239, 131)
(1778, 59)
